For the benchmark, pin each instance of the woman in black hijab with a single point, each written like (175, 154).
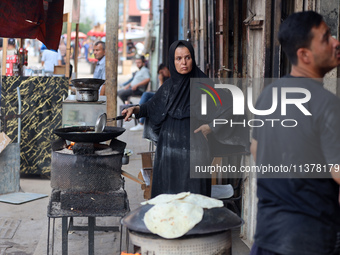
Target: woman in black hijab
(169, 114)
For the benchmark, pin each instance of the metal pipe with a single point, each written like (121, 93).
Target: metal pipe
(161, 31)
(64, 236)
(0, 94)
(91, 225)
(19, 117)
(192, 21)
(236, 45)
(196, 28)
(53, 236)
(48, 235)
(76, 51)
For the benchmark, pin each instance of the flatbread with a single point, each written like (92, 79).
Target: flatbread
(174, 219)
(165, 198)
(203, 201)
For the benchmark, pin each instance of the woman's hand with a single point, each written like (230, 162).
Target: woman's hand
(205, 129)
(129, 111)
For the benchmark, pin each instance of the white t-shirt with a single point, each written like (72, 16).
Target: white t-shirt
(51, 59)
(140, 76)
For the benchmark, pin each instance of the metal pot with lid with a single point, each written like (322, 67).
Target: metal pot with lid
(87, 89)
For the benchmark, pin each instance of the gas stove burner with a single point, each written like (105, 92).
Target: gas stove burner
(86, 171)
(88, 149)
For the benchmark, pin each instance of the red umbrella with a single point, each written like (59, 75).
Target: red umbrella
(96, 33)
(81, 35)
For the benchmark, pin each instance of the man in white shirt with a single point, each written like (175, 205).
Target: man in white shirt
(49, 59)
(139, 83)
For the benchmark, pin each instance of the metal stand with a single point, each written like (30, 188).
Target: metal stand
(54, 211)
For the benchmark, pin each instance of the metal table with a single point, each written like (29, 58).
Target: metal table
(55, 211)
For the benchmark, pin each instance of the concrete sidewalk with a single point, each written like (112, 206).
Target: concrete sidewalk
(23, 228)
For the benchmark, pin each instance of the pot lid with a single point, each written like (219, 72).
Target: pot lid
(88, 83)
(214, 220)
(86, 134)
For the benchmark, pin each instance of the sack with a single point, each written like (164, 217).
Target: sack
(4, 141)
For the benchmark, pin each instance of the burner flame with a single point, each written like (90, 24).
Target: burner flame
(71, 145)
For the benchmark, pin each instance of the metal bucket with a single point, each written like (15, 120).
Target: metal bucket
(10, 169)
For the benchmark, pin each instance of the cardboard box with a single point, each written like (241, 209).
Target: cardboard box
(4, 141)
(60, 70)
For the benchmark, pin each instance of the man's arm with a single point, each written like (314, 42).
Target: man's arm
(161, 79)
(253, 148)
(102, 91)
(59, 58)
(104, 74)
(43, 58)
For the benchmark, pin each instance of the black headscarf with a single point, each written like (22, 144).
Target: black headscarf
(173, 98)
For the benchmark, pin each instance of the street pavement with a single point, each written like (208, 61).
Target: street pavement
(24, 228)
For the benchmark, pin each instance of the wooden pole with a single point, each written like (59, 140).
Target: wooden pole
(124, 31)
(68, 46)
(111, 58)
(4, 55)
(126, 65)
(21, 42)
(76, 51)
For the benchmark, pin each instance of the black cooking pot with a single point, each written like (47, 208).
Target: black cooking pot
(87, 89)
(214, 220)
(86, 134)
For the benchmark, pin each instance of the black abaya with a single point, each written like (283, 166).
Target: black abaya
(169, 115)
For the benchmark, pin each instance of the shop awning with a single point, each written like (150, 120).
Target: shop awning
(34, 19)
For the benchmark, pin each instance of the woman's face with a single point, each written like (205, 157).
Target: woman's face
(183, 60)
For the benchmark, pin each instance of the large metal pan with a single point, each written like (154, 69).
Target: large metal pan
(88, 83)
(214, 220)
(86, 134)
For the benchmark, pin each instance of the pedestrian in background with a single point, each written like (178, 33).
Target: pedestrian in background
(62, 49)
(139, 82)
(11, 48)
(49, 59)
(99, 71)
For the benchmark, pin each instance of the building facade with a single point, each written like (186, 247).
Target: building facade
(235, 39)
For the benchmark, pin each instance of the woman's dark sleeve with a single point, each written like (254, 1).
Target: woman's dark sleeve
(143, 111)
